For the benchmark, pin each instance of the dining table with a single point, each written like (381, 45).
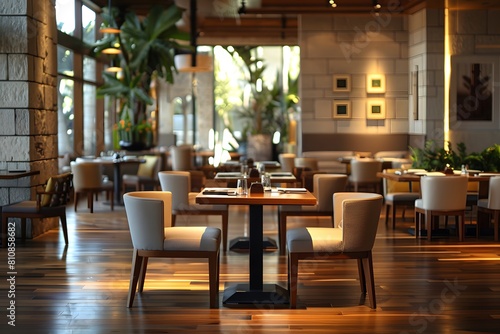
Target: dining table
(255, 292)
(117, 164)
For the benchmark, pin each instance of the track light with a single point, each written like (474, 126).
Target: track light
(332, 3)
(376, 4)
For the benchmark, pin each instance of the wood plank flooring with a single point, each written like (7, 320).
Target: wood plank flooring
(442, 286)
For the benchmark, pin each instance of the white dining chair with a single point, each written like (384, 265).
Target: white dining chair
(491, 205)
(356, 217)
(441, 196)
(150, 223)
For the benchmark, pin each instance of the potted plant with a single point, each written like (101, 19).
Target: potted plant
(268, 110)
(147, 48)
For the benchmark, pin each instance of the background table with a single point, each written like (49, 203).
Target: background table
(255, 292)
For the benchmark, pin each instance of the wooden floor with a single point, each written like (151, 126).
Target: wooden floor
(441, 286)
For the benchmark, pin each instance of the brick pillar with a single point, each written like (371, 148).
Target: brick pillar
(28, 96)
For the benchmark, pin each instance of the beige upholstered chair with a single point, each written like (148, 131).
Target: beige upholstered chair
(87, 179)
(325, 185)
(149, 220)
(397, 194)
(306, 163)
(50, 202)
(181, 157)
(287, 161)
(183, 201)
(491, 205)
(441, 196)
(364, 174)
(356, 217)
(146, 177)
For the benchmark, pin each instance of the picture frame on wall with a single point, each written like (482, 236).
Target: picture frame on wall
(375, 83)
(375, 109)
(341, 109)
(341, 83)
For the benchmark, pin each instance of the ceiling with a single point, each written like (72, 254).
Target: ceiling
(275, 22)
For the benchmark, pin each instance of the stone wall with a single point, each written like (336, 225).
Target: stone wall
(28, 96)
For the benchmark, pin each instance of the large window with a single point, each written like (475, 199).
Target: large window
(79, 116)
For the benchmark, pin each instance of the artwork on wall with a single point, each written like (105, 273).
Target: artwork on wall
(472, 92)
(375, 109)
(341, 83)
(341, 109)
(375, 83)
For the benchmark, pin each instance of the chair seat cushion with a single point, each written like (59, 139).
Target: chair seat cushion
(29, 207)
(401, 196)
(314, 239)
(192, 238)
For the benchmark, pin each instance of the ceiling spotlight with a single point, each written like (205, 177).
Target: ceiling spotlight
(332, 3)
(243, 8)
(376, 4)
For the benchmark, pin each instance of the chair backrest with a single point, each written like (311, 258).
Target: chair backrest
(325, 185)
(86, 175)
(365, 170)
(182, 158)
(57, 190)
(150, 168)
(148, 213)
(494, 193)
(287, 161)
(444, 192)
(358, 215)
(179, 184)
(311, 163)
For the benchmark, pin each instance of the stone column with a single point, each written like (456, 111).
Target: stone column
(28, 96)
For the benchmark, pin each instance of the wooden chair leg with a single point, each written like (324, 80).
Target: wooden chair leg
(368, 270)
(213, 271)
(282, 232)
(362, 276)
(64, 226)
(134, 277)
(394, 216)
(142, 274)
(387, 210)
(293, 273)
(428, 225)
(225, 223)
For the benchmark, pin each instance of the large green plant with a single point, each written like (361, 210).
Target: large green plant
(147, 48)
(433, 157)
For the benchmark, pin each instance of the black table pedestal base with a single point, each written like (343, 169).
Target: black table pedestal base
(242, 244)
(241, 295)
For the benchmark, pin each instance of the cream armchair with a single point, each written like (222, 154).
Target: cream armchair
(491, 205)
(149, 219)
(184, 203)
(356, 217)
(325, 185)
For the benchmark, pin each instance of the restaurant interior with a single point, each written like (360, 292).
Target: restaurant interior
(271, 144)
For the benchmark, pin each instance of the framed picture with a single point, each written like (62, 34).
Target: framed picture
(375, 109)
(341, 83)
(342, 109)
(375, 83)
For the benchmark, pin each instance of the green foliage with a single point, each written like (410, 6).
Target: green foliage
(435, 158)
(147, 51)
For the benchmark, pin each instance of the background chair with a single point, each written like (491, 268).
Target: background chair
(356, 217)
(397, 194)
(50, 202)
(184, 203)
(182, 157)
(306, 163)
(491, 205)
(87, 179)
(146, 177)
(149, 220)
(287, 161)
(364, 174)
(325, 185)
(441, 196)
